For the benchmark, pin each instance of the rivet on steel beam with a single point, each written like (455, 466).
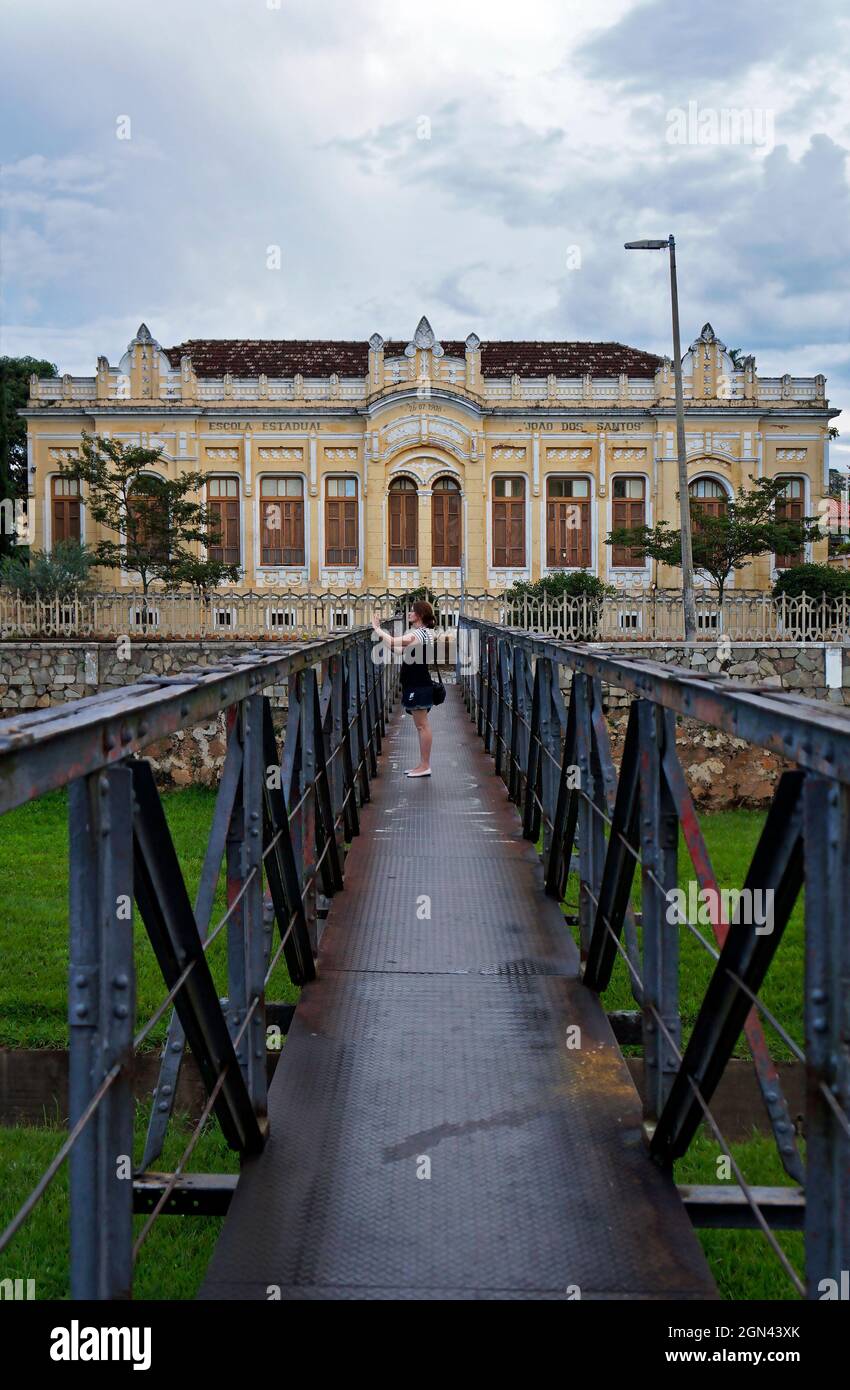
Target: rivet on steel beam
(820, 1025)
(120, 982)
(120, 1011)
(81, 1010)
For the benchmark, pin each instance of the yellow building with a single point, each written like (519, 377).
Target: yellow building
(388, 465)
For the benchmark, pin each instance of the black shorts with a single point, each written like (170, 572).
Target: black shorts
(421, 698)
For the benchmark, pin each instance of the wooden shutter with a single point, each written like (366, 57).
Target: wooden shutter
(509, 532)
(568, 533)
(333, 530)
(789, 509)
(626, 513)
(66, 519)
(341, 531)
(395, 512)
(516, 532)
(224, 515)
(500, 532)
(403, 523)
(446, 529)
(292, 518)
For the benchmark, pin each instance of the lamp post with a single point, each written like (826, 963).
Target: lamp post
(688, 595)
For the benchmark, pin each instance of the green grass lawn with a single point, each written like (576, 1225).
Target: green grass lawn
(34, 919)
(175, 1254)
(731, 837)
(742, 1262)
(33, 970)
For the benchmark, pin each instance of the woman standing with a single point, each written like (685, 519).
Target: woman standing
(415, 646)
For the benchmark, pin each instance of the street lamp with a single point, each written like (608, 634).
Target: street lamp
(688, 596)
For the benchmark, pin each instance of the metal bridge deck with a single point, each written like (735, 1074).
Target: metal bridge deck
(443, 1038)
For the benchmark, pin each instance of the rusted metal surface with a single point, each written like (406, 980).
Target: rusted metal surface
(811, 733)
(42, 752)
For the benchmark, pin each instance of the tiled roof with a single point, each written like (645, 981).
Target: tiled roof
(319, 357)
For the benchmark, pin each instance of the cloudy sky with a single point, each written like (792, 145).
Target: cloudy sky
(479, 161)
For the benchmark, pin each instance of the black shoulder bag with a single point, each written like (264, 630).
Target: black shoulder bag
(438, 690)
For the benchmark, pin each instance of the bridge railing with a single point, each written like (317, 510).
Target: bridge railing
(283, 817)
(279, 615)
(599, 824)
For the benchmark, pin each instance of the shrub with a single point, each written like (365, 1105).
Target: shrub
(812, 580)
(48, 575)
(572, 583)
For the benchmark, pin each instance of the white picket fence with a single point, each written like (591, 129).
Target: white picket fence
(650, 617)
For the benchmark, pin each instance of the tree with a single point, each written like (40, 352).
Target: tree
(15, 373)
(56, 574)
(722, 544)
(203, 575)
(154, 519)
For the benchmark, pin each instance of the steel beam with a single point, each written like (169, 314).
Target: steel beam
(827, 1023)
(101, 1017)
(170, 923)
(659, 837)
(776, 868)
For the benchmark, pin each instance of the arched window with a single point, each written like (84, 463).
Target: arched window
(568, 523)
(223, 507)
(508, 523)
(65, 509)
(403, 522)
(708, 498)
(790, 507)
(147, 527)
(445, 524)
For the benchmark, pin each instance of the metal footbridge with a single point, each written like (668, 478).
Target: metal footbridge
(450, 1114)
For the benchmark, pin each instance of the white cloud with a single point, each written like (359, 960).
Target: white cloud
(299, 127)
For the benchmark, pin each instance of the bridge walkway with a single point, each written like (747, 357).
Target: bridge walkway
(432, 1136)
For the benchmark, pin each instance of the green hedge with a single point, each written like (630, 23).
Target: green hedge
(812, 580)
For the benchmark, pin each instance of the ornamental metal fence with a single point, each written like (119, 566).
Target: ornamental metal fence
(285, 615)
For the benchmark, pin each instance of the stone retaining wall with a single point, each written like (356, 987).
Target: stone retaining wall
(818, 671)
(35, 675)
(721, 770)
